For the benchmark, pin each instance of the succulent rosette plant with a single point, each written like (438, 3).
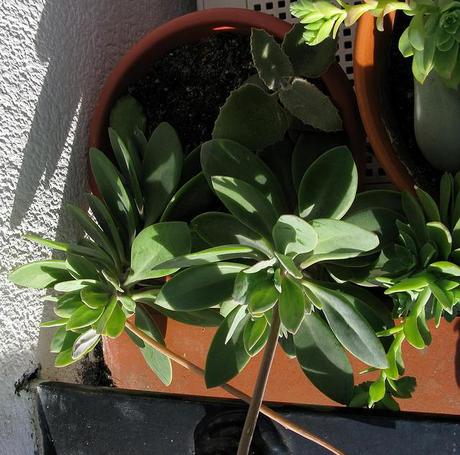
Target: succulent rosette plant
(432, 37)
(280, 243)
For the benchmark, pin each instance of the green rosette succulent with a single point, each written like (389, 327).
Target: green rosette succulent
(96, 283)
(432, 37)
(422, 271)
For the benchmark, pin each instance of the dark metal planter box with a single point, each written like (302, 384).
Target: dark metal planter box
(96, 420)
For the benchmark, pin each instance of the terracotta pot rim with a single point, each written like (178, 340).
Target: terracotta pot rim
(368, 63)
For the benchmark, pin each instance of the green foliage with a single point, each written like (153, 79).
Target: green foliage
(258, 116)
(296, 241)
(432, 37)
(323, 359)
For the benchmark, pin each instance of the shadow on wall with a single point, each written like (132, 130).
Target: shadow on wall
(81, 41)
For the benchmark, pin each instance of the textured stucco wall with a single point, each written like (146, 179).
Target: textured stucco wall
(54, 56)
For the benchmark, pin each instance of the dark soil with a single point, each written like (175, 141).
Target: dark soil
(94, 371)
(188, 85)
(399, 93)
(23, 384)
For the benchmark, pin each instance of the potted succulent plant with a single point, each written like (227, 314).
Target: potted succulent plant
(427, 34)
(271, 267)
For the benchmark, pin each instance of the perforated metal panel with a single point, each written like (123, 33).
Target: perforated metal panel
(375, 176)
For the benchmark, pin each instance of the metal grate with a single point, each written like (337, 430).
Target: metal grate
(375, 176)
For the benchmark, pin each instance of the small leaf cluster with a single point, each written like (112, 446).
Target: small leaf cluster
(95, 287)
(432, 37)
(279, 98)
(422, 270)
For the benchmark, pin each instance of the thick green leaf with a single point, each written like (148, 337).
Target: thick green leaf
(84, 317)
(378, 220)
(251, 117)
(278, 158)
(411, 328)
(289, 266)
(449, 268)
(154, 245)
(377, 390)
(192, 165)
(64, 358)
(378, 199)
(240, 319)
(85, 343)
(40, 274)
(416, 218)
(54, 323)
(162, 168)
(218, 228)
(126, 116)
(58, 340)
(129, 165)
(127, 302)
(246, 203)
(53, 244)
(307, 103)
(323, 360)
(334, 169)
(91, 251)
(157, 362)
(412, 283)
(211, 255)
(291, 304)
(446, 187)
(116, 322)
(444, 297)
(191, 199)
(67, 305)
(209, 317)
(308, 61)
(350, 328)
(293, 236)
(230, 159)
(429, 205)
(376, 312)
(310, 146)
(440, 236)
(118, 199)
(95, 232)
(339, 240)
(272, 64)
(287, 344)
(73, 285)
(199, 287)
(81, 267)
(255, 290)
(107, 223)
(95, 296)
(225, 359)
(253, 332)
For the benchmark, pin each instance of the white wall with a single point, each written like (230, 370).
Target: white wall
(54, 56)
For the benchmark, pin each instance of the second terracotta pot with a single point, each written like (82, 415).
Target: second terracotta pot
(369, 57)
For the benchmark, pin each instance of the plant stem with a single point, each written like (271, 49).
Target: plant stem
(260, 386)
(285, 423)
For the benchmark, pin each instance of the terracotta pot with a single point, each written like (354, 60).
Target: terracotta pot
(123, 358)
(369, 53)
